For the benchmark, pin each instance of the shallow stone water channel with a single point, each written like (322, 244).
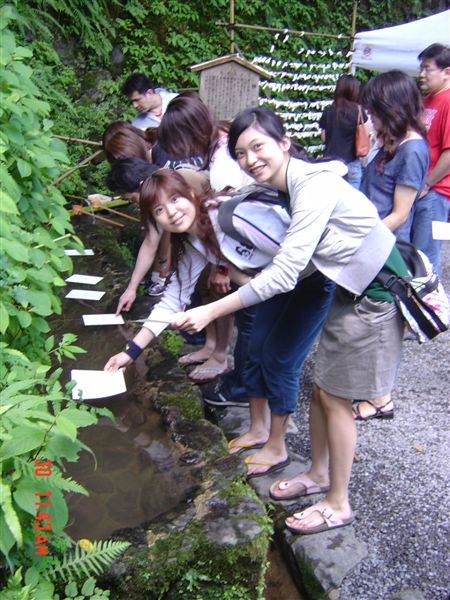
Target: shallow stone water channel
(136, 474)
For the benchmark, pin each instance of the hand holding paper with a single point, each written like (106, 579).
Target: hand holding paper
(117, 362)
(97, 384)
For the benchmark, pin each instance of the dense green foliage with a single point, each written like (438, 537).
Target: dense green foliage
(33, 214)
(39, 423)
(84, 51)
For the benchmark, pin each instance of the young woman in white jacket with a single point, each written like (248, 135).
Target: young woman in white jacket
(197, 238)
(336, 229)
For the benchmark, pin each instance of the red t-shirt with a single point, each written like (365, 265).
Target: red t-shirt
(437, 122)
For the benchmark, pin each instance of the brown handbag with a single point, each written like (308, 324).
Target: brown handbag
(362, 141)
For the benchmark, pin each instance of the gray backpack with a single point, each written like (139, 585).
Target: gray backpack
(259, 192)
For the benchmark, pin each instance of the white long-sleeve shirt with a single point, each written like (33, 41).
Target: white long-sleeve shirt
(333, 225)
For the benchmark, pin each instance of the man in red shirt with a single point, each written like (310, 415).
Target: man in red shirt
(434, 201)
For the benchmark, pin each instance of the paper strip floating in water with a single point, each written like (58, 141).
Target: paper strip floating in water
(87, 279)
(85, 295)
(72, 252)
(106, 319)
(97, 384)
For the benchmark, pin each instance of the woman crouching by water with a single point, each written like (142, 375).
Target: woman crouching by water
(336, 229)
(285, 326)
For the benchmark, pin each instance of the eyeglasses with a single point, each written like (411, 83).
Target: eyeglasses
(428, 69)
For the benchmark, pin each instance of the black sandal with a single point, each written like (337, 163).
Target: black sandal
(378, 414)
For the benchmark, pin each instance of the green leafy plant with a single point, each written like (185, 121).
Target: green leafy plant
(40, 422)
(32, 587)
(90, 22)
(38, 427)
(172, 341)
(92, 559)
(35, 227)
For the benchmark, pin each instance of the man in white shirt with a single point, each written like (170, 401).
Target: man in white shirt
(150, 102)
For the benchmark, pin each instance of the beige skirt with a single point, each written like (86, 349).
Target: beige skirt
(360, 348)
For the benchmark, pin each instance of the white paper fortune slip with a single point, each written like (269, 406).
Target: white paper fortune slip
(85, 295)
(71, 252)
(97, 384)
(106, 319)
(87, 279)
(440, 230)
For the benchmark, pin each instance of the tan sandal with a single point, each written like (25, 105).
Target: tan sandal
(330, 521)
(187, 359)
(298, 486)
(209, 374)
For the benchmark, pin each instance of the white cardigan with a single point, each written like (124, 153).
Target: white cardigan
(333, 225)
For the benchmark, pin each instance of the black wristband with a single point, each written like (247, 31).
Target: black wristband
(133, 350)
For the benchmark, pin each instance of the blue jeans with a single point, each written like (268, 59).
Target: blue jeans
(283, 332)
(354, 174)
(232, 383)
(432, 207)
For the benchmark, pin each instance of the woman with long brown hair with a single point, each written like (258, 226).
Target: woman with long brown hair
(198, 238)
(395, 177)
(123, 140)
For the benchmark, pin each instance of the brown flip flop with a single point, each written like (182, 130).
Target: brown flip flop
(298, 486)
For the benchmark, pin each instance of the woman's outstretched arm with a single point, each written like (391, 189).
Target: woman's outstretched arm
(142, 339)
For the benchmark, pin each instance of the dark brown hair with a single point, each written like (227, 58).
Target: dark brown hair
(266, 121)
(346, 94)
(137, 82)
(187, 129)
(393, 98)
(122, 140)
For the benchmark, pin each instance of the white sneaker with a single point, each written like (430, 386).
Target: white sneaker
(155, 288)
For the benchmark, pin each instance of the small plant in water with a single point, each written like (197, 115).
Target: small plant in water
(127, 254)
(172, 342)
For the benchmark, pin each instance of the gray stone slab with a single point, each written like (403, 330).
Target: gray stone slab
(235, 421)
(409, 594)
(320, 562)
(323, 560)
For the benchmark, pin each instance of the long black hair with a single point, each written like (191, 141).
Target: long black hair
(346, 95)
(265, 120)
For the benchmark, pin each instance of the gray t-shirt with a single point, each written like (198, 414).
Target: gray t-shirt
(408, 167)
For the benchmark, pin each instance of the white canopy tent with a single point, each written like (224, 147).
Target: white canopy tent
(397, 47)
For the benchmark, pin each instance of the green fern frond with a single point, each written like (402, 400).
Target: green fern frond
(99, 556)
(58, 481)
